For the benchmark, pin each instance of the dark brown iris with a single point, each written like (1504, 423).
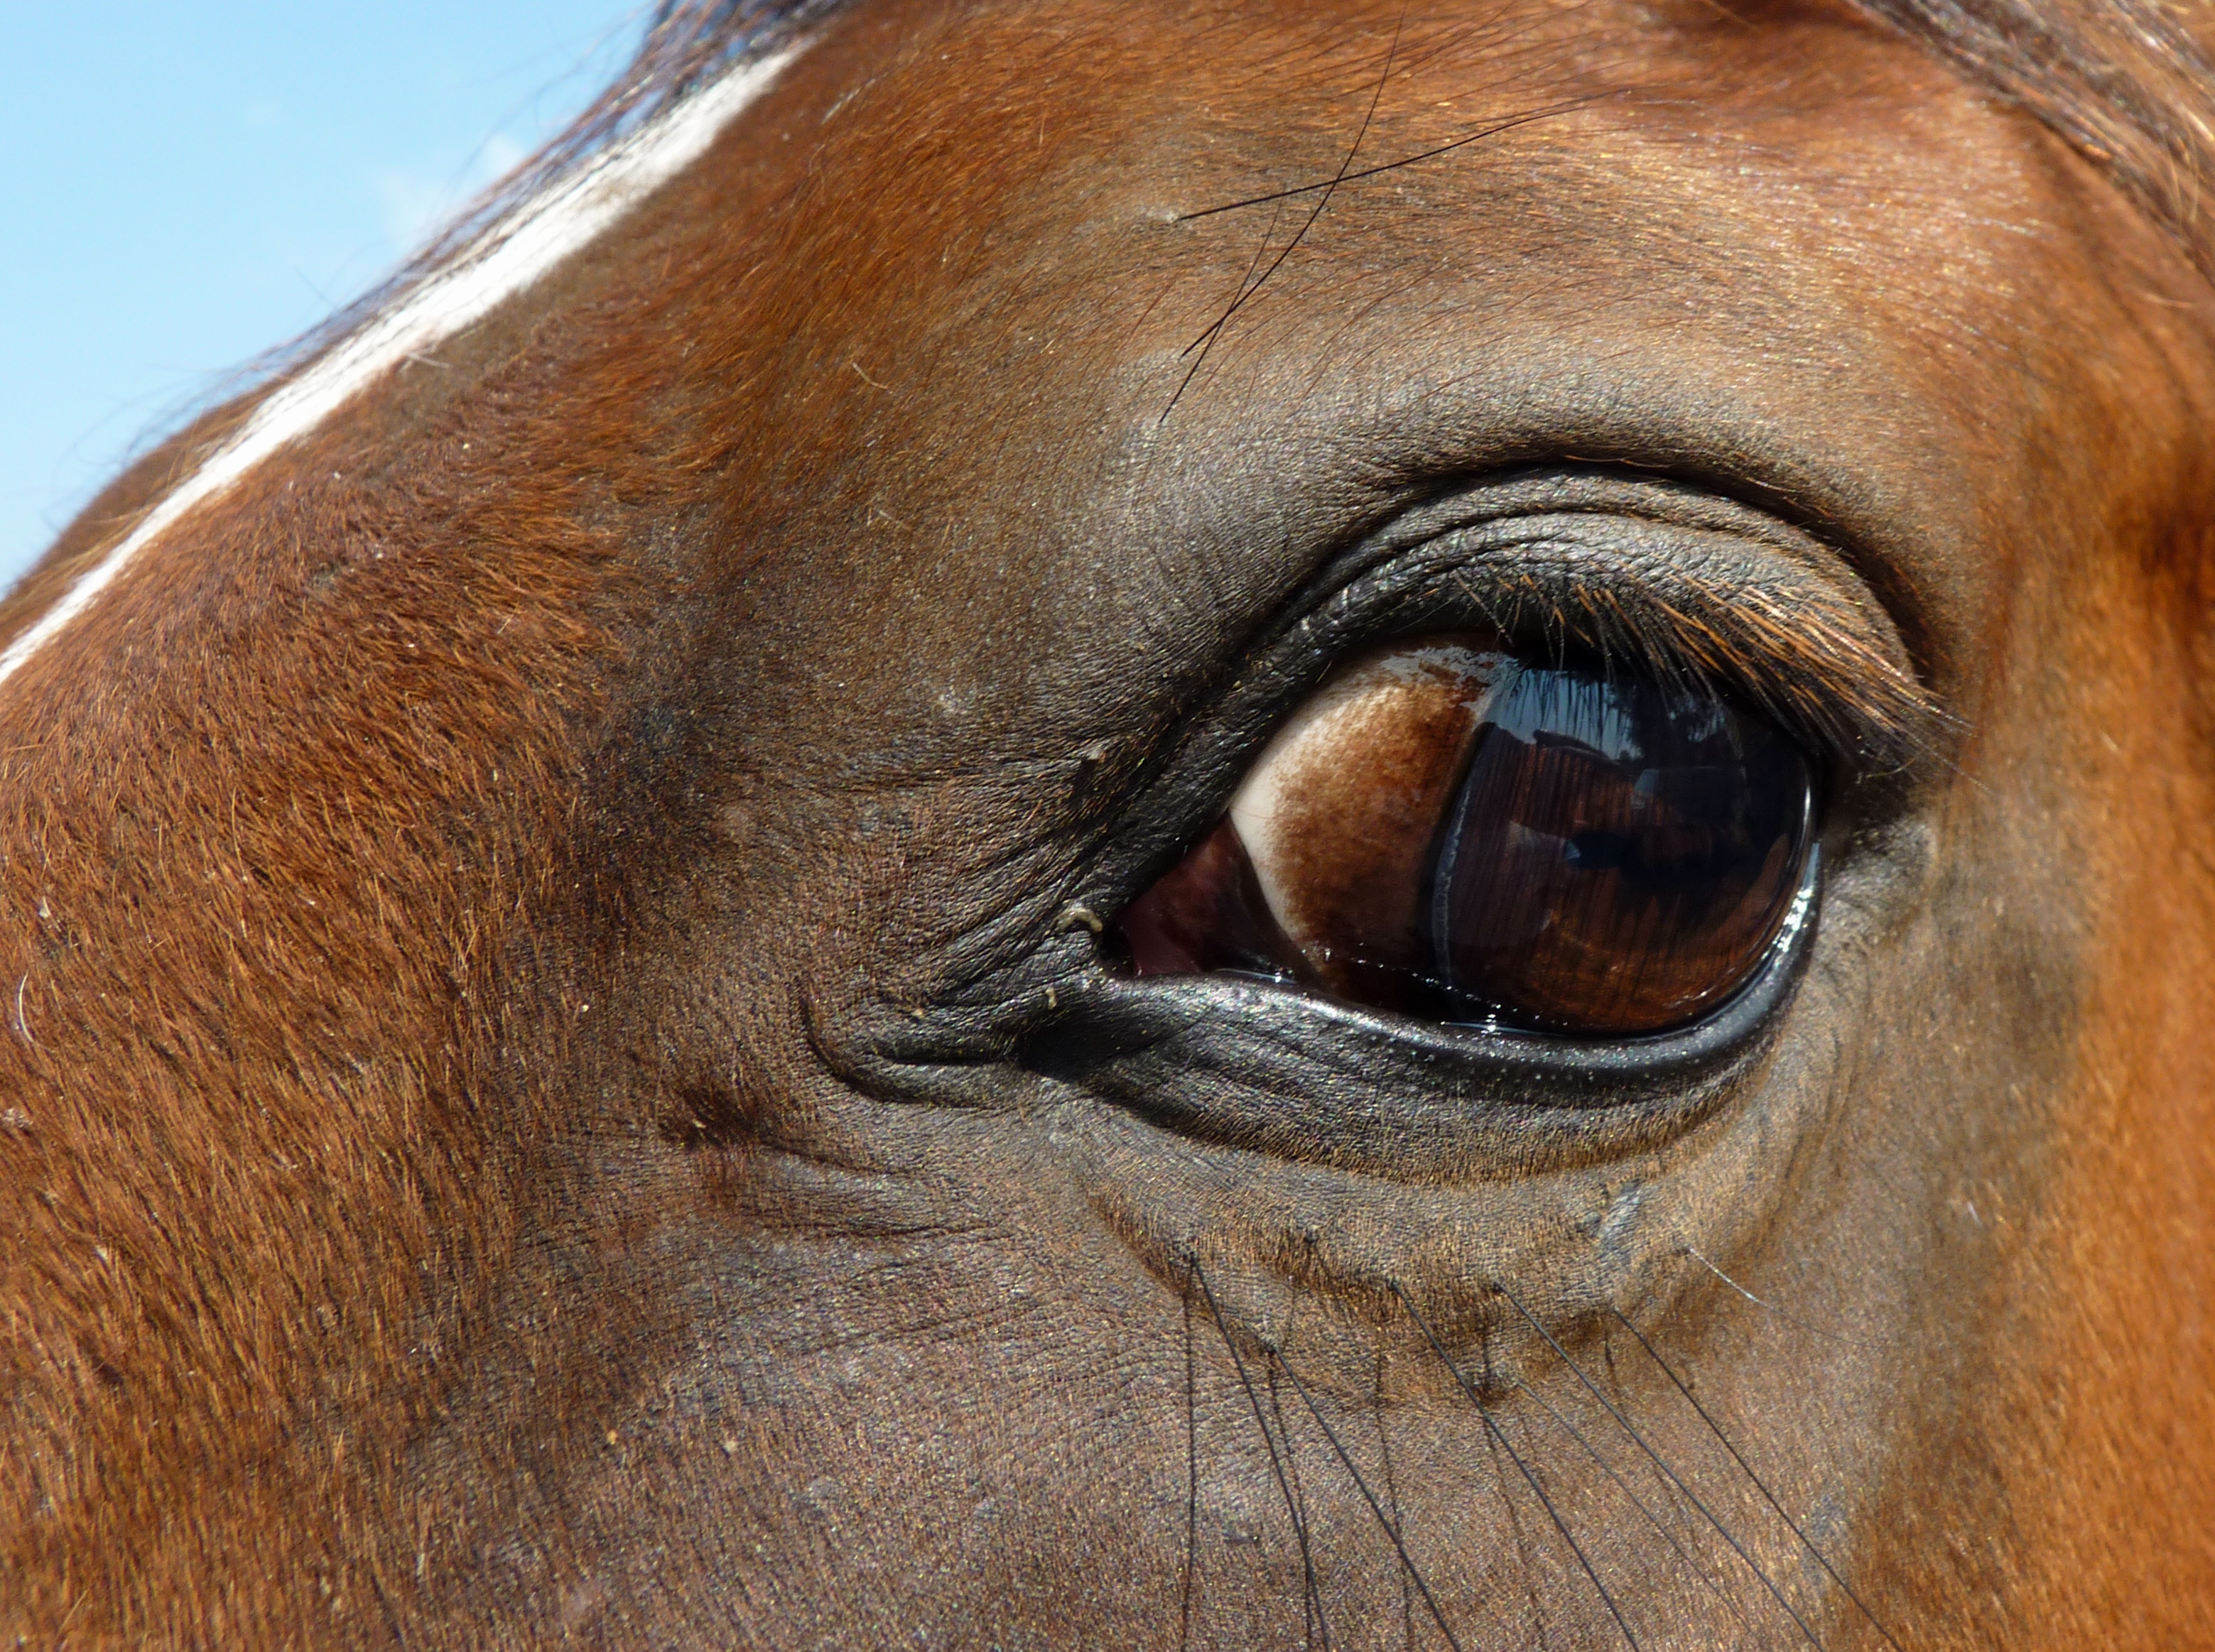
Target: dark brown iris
(1620, 857)
(1447, 832)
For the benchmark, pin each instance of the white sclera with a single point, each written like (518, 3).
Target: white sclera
(1337, 815)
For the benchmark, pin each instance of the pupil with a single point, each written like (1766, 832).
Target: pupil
(1620, 855)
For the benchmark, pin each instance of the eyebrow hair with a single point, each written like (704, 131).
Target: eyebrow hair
(1797, 646)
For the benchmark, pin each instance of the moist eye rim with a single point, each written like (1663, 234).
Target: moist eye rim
(1244, 1062)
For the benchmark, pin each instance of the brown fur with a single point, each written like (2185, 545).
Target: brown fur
(463, 885)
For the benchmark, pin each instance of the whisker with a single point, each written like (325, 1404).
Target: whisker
(1494, 131)
(1762, 1302)
(1392, 1496)
(1715, 1428)
(1191, 1472)
(1653, 1519)
(1248, 289)
(1216, 325)
(1361, 1484)
(1674, 1479)
(1299, 1496)
(1516, 1457)
(1313, 1602)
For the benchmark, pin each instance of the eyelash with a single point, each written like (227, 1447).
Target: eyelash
(1634, 573)
(1659, 581)
(1842, 699)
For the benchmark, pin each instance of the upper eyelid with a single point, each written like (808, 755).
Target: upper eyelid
(1656, 574)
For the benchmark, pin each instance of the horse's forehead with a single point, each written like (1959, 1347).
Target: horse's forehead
(1012, 125)
(1052, 192)
(1028, 315)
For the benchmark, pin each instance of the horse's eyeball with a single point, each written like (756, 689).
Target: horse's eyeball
(1446, 832)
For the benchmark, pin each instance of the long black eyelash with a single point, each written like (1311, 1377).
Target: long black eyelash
(1805, 665)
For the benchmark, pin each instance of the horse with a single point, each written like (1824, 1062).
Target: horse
(1160, 823)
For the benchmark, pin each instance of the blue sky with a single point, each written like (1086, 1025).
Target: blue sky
(189, 184)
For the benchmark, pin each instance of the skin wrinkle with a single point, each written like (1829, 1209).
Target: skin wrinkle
(529, 907)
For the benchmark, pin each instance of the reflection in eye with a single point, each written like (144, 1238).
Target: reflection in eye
(1446, 831)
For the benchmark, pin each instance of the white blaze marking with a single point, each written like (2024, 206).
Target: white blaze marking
(541, 234)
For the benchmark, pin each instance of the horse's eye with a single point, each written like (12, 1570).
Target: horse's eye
(1447, 831)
